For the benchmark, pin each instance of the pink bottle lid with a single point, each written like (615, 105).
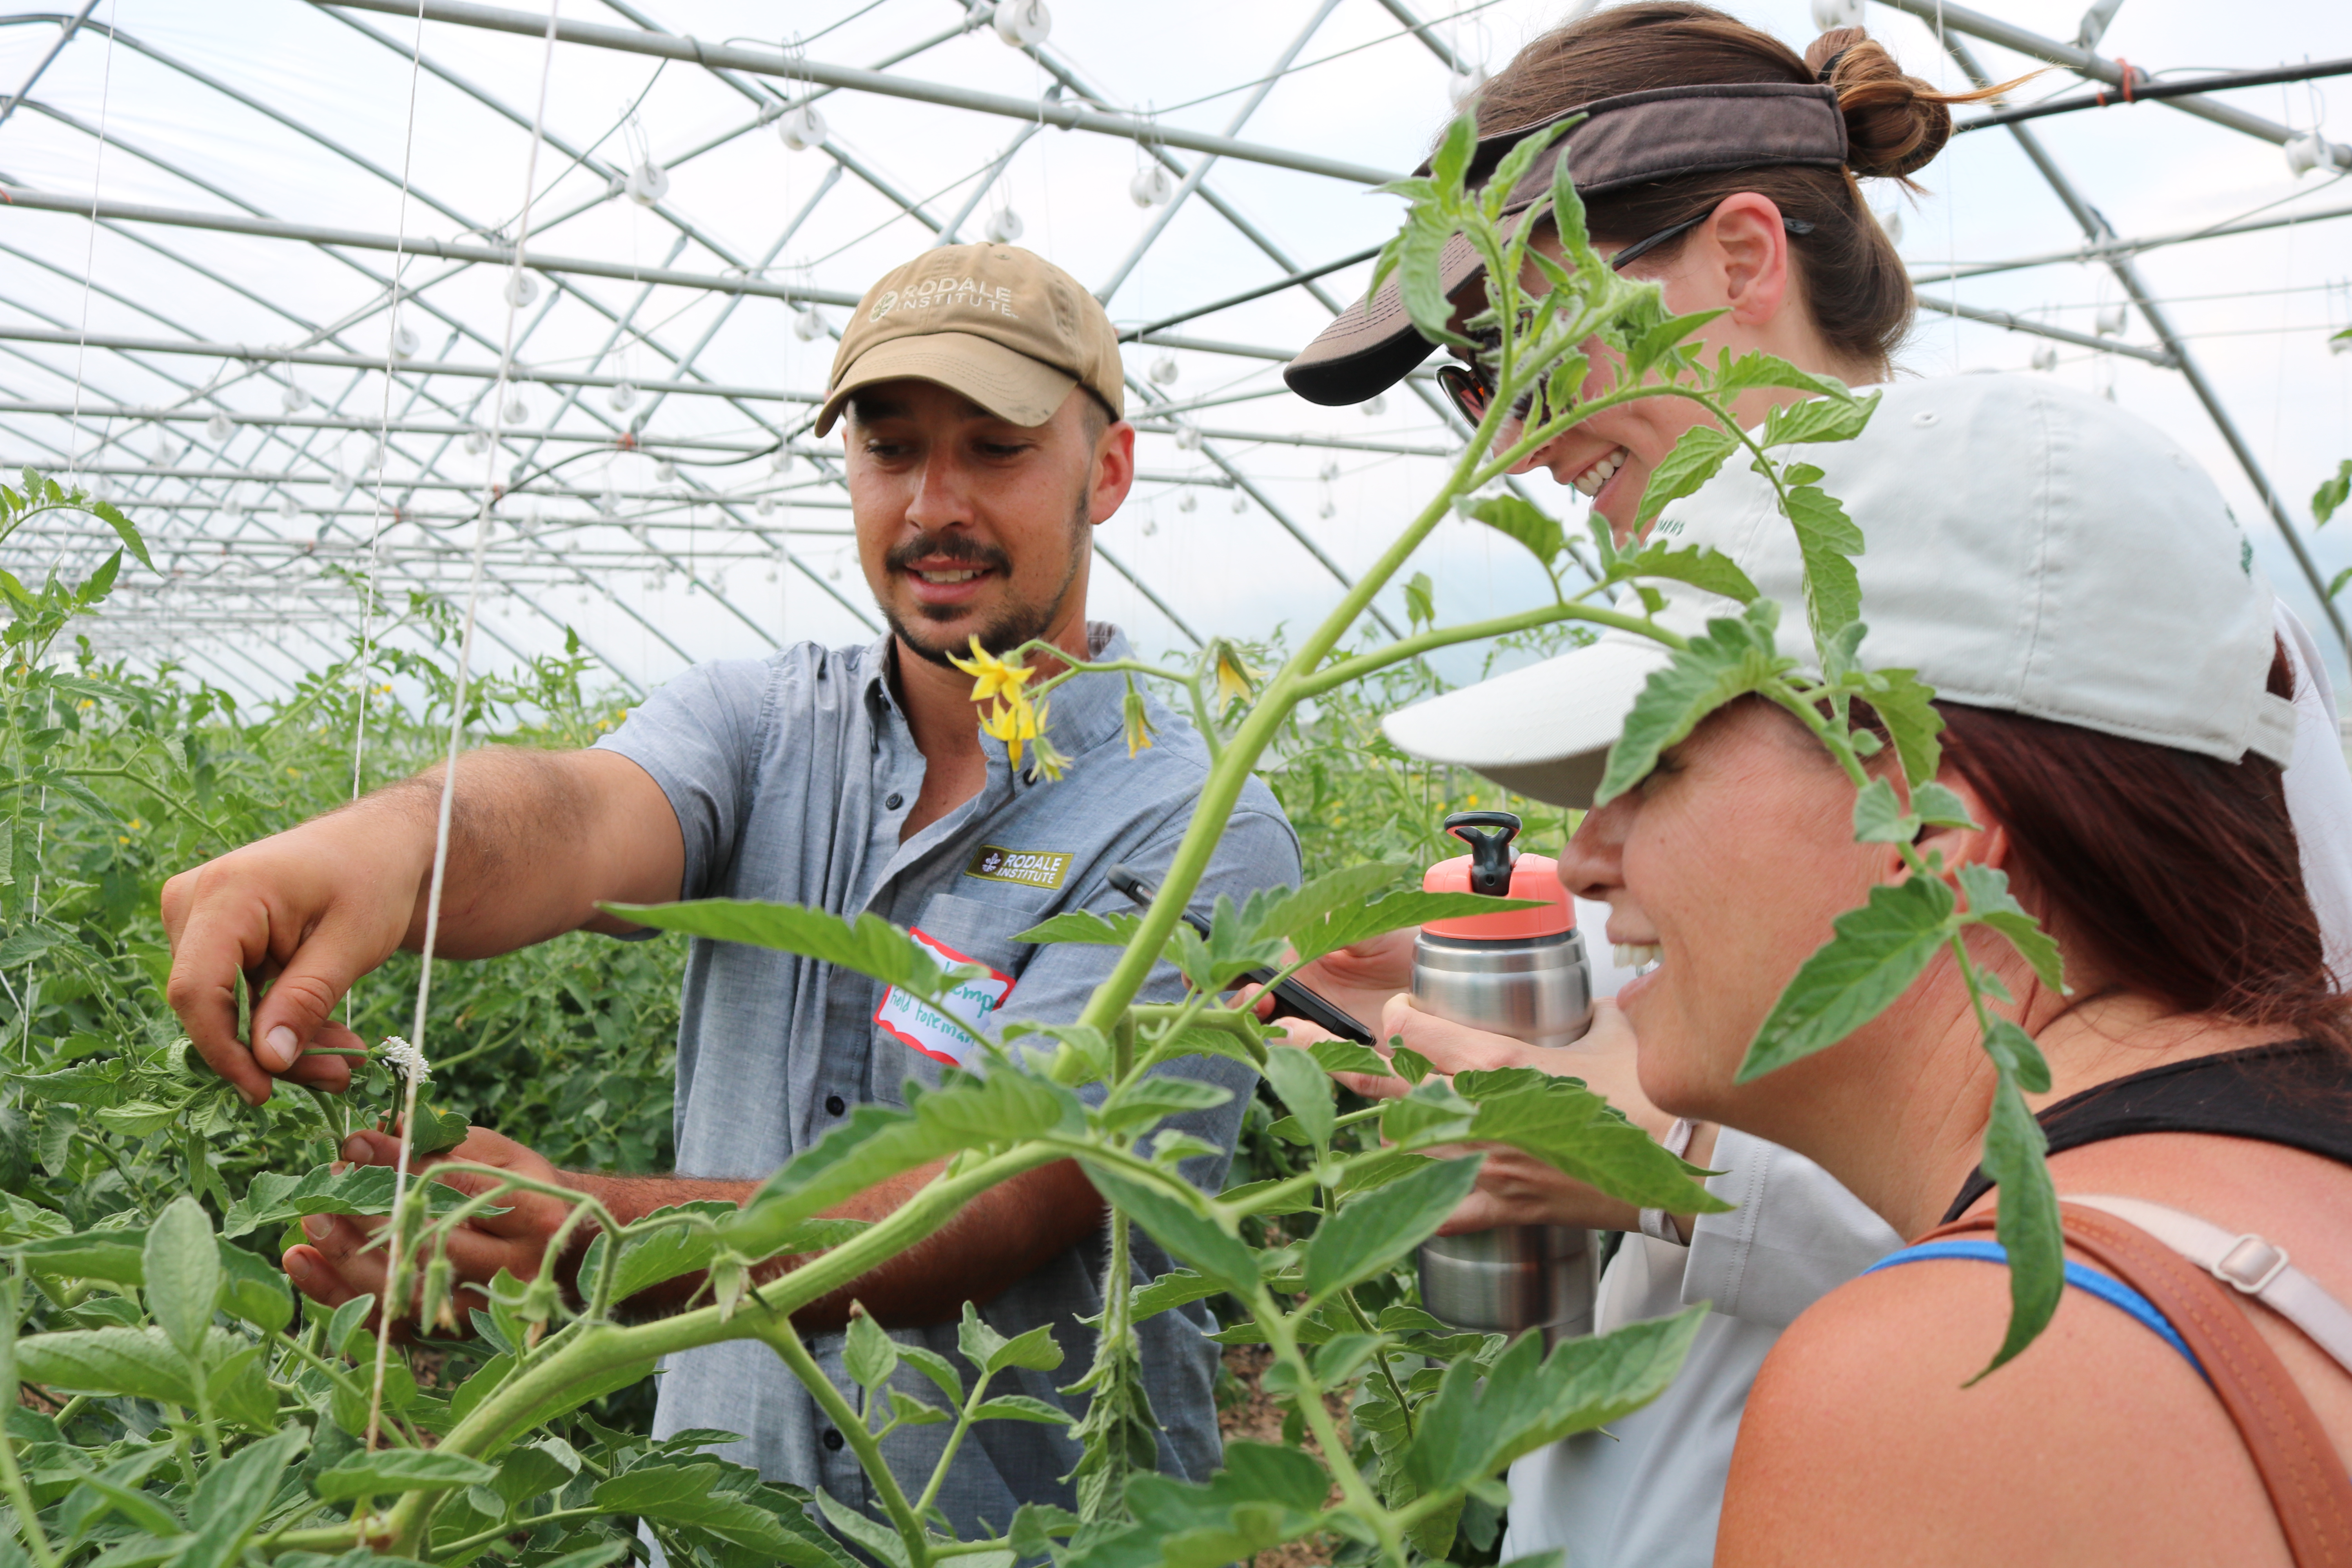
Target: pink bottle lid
(1532, 877)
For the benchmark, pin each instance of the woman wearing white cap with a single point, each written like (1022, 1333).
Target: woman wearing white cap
(1718, 162)
(2117, 723)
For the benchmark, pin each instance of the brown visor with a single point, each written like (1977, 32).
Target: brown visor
(1626, 141)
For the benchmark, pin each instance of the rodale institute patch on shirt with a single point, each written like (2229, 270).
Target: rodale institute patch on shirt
(1023, 868)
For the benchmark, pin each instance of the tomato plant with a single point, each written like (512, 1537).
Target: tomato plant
(186, 1416)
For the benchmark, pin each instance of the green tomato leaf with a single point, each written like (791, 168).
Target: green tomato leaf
(1879, 816)
(1516, 519)
(1361, 922)
(1371, 1232)
(1306, 1089)
(389, 1470)
(2017, 1053)
(1086, 926)
(2331, 493)
(275, 1198)
(878, 1142)
(872, 946)
(1185, 1230)
(868, 1353)
(1878, 950)
(1701, 565)
(1931, 803)
(233, 1495)
(1834, 419)
(1484, 1417)
(1696, 457)
(2027, 1225)
(1560, 1121)
(1907, 707)
(689, 1495)
(1827, 539)
(1146, 1101)
(1991, 903)
(1733, 659)
(1021, 1408)
(1346, 1056)
(1755, 369)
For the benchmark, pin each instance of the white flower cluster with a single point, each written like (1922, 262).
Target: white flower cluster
(404, 1059)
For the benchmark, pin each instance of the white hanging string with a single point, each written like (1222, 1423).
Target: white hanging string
(89, 256)
(383, 418)
(397, 1256)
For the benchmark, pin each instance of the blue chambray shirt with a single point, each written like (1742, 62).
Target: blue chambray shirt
(791, 776)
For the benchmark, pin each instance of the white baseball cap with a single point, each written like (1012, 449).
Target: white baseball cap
(2029, 548)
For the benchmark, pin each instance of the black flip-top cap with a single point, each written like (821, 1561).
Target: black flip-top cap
(1623, 142)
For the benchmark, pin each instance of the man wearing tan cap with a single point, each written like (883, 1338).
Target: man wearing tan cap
(979, 392)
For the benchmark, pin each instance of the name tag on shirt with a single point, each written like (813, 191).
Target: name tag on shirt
(951, 1036)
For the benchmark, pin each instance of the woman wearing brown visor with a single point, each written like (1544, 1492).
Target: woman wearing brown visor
(1722, 164)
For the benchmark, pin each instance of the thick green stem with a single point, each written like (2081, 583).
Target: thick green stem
(456, 1549)
(1352, 1486)
(776, 1330)
(20, 1497)
(1362, 665)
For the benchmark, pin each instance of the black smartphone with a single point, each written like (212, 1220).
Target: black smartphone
(1291, 1000)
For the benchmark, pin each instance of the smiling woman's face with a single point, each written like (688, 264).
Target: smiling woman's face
(1738, 262)
(1731, 860)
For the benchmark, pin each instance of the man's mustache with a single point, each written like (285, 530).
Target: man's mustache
(948, 546)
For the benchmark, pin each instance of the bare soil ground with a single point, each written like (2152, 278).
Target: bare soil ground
(1259, 1419)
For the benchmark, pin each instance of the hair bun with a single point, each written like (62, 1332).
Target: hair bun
(1895, 124)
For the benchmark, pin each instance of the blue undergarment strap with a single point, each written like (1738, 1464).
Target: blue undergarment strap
(2081, 1275)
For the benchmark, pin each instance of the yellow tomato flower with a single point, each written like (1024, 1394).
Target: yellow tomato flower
(1050, 761)
(1138, 723)
(992, 677)
(1235, 679)
(1016, 723)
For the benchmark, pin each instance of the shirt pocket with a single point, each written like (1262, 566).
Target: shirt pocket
(981, 930)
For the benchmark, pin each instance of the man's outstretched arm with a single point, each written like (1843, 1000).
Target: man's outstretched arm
(1001, 1237)
(536, 839)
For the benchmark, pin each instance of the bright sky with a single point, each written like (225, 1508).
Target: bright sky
(2257, 309)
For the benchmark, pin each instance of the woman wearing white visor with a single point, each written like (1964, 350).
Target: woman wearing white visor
(2119, 719)
(1719, 164)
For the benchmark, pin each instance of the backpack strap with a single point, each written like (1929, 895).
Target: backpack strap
(2307, 1480)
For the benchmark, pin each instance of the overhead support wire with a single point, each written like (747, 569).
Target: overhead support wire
(65, 35)
(263, 354)
(1168, 211)
(418, 244)
(2139, 88)
(776, 63)
(2016, 323)
(2096, 228)
(1137, 334)
(2101, 251)
(1946, 18)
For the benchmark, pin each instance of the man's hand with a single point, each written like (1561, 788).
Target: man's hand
(536, 840)
(1514, 1188)
(303, 913)
(343, 1257)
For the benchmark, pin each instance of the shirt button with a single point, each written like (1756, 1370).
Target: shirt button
(894, 803)
(834, 1105)
(833, 1440)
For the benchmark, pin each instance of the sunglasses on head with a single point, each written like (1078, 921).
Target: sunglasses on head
(1472, 386)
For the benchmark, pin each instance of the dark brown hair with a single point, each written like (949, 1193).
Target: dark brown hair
(2173, 875)
(1853, 285)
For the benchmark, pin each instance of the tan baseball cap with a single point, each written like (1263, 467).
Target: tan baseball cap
(1001, 325)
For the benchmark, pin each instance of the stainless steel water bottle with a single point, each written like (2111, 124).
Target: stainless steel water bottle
(1521, 973)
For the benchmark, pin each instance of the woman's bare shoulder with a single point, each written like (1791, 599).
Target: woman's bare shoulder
(1870, 1439)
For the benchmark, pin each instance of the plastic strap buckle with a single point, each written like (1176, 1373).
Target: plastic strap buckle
(2251, 1264)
